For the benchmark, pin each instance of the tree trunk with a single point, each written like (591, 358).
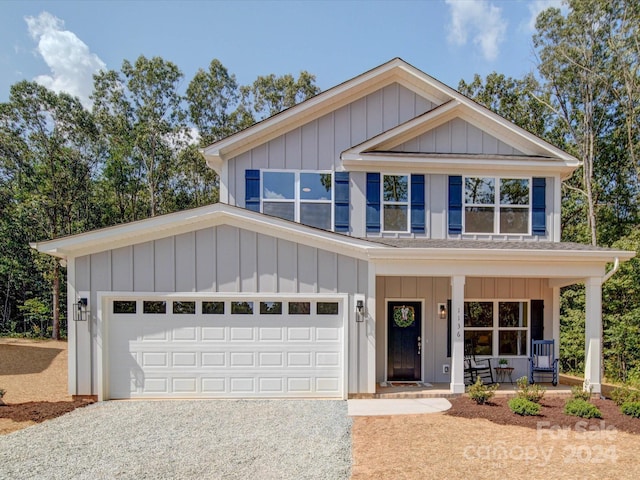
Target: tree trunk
(55, 334)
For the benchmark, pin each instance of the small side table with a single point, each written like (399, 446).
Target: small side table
(503, 372)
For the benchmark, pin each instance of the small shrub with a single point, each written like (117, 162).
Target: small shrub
(581, 408)
(622, 395)
(533, 393)
(579, 393)
(482, 393)
(524, 407)
(2, 392)
(631, 408)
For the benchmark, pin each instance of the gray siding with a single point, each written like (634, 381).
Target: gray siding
(457, 136)
(220, 259)
(431, 291)
(317, 145)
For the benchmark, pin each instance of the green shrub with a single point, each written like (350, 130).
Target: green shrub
(622, 395)
(482, 393)
(631, 408)
(579, 393)
(533, 393)
(524, 407)
(581, 408)
(2, 392)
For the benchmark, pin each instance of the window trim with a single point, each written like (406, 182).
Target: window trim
(496, 328)
(384, 202)
(297, 201)
(496, 205)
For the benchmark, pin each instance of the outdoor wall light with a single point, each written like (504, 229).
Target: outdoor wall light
(442, 311)
(359, 310)
(81, 310)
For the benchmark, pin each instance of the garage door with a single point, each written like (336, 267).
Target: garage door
(225, 348)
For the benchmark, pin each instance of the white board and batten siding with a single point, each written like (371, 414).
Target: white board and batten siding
(217, 261)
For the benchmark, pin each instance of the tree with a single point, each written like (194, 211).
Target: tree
(515, 99)
(47, 167)
(214, 104)
(575, 65)
(270, 94)
(142, 123)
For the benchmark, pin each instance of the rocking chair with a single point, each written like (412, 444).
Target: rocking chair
(474, 369)
(543, 361)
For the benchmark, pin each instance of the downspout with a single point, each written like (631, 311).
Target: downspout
(611, 273)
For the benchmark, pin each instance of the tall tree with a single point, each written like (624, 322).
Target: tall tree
(575, 65)
(271, 94)
(142, 121)
(49, 162)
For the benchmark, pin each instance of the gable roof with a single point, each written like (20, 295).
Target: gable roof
(451, 104)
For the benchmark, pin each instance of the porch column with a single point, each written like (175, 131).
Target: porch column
(370, 325)
(457, 334)
(593, 334)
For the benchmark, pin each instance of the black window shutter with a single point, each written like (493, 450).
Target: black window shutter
(449, 328)
(538, 208)
(252, 190)
(417, 204)
(455, 204)
(341, 202)
(537, 319)
(373, 202)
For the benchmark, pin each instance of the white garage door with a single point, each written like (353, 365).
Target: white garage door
(225, 348)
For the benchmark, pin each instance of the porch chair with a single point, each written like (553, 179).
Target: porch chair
(543, 360)
(474, 369)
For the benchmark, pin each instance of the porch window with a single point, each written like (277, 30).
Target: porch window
(395, 203)
(497, 205)
(304, 197)
(496, 328)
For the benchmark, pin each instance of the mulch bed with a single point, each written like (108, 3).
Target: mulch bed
(39, 411)
(552, 412)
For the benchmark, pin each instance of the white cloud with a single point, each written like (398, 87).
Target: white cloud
(538, 6)
(479, 19)
(72, 64)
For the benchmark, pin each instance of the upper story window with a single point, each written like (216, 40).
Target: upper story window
(299, 196)
(395, 203)
(497, 205)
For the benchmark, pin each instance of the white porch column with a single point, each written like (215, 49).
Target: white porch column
(593, 334)
(555, 328)
(457, 334)
(370, 325)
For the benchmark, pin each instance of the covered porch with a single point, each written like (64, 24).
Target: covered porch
(426, 281)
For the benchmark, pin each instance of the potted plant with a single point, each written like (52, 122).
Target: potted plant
(503, 363)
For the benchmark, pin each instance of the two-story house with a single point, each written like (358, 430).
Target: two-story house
(363, 236)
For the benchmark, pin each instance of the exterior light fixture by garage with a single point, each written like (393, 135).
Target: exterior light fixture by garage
(442, 311)
(359, 310)
(81, 310)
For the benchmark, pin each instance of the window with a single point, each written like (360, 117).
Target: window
(395, 203)
(327, 308)
(213, 308)
(496, 328)
(299, 308)
(497, 205)
(242, 308)
(304, 197)
(271, 308)
(187, 308)
(154, 306)
(124, 306)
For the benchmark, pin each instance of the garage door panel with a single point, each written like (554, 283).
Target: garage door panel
(207, 355)
(214, 334)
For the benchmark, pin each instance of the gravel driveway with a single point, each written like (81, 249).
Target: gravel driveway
(209, 439)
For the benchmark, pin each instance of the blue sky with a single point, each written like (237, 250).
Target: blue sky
(62, 43)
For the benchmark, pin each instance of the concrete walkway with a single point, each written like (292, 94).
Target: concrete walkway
(401, 406)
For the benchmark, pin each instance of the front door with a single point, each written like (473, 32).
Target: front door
(404, 320)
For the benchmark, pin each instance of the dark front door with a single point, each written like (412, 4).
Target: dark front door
(404, 320)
